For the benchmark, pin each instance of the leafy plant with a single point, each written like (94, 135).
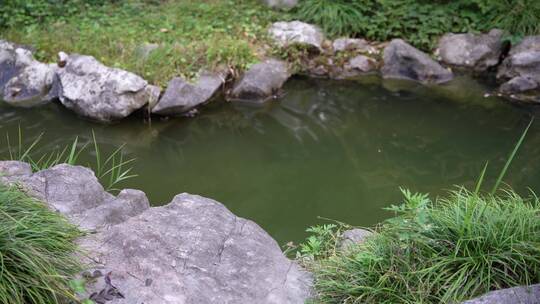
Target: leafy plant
(36, 251)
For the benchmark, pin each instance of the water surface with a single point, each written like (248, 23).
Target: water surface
(338, 150)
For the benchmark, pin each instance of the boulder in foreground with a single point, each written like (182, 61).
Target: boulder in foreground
(521, 295)
(192, 250)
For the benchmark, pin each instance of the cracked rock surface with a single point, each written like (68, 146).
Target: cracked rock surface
(192, 250)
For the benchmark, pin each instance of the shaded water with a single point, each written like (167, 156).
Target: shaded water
(339, 150)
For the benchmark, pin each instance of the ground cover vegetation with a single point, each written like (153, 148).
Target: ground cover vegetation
(421, 22)
(445, 250)
(188, 34)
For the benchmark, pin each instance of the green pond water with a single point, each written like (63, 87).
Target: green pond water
(338, 150)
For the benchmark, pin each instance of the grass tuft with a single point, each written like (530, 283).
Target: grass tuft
(36, 251)
(446, 251)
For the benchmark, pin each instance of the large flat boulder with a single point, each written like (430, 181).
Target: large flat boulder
(182, 96)
(101, 93)
(261, 81)
(24, 81)
(521, 71)
(521, 295)
(403, 61)
(475, 51)
(194, 250)
(286, 34)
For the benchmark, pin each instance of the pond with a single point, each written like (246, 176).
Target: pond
(337, 150)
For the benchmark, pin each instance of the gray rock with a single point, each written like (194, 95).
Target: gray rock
(285, 34)
(521, 70)
(519, 84)
(101, 93)
(24, 81)
(476, 51)
(181, 96)
(521, 295)
(13, 171)
(281, 4)
(352, 44)
(261, 81)
(76, 193)
(127, 204)
(402, 61)
(194, 250)
(352, 237)
(68, 189)
(357, 66)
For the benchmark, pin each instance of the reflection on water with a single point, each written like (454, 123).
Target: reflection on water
(339, 150)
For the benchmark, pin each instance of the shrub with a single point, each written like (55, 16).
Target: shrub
(419, 22)
(519, 17)
(36, 251)
(26, 12)
(434, 252)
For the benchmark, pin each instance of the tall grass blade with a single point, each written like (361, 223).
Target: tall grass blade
(511, 158)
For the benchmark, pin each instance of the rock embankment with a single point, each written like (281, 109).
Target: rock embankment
(93, 90)
(192, 250)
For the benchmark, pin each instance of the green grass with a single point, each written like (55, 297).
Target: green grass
(36, 251)
(191, 34)
(420, 22)
(111, 168)
(441, 251)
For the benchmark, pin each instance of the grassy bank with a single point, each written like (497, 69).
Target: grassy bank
(442, 251)
(36, 251)
(190, 34)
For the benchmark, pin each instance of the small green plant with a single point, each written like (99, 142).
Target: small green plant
(37, 251)
(320, 244)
